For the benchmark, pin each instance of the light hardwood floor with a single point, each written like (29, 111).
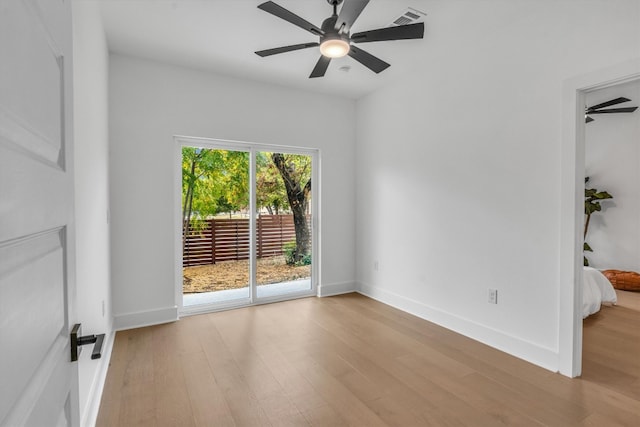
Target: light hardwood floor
(349, 360)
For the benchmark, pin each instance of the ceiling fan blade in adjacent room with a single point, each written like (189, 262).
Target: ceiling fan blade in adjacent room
(401, 32)
(615, 110)
(291, 17)
(321, 67)
(365, 58)
(283, 49)
(609, 103)
(350, 11)
(588, 119)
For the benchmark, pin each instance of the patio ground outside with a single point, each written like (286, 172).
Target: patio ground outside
(235, 274)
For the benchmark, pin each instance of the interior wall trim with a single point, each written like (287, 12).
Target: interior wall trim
(331, 289)
(90, 412)
(531, 352)
(140, 319)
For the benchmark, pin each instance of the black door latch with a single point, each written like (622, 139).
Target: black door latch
(77, 341)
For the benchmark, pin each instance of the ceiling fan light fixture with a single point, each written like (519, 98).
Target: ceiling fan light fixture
(334, 47)
(335, 35)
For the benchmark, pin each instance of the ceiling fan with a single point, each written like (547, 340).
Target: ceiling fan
(335, 38)
(598, 109)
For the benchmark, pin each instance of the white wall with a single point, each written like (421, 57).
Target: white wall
(92, 198)
(458, 172)
(613, 164)
(149, 104)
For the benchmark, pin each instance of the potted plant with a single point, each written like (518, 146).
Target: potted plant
(592, 199)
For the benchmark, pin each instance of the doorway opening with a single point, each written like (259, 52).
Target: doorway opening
(245, 233)
(612, 161)
(572, 207)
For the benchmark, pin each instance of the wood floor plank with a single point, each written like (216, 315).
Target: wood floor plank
(111, 396)
(294, 385)
(345, 372)
(281, 411)
(598, 420)
(352, 361)
(245, 407)
(172, 403)
(275, 403)
(206, 399)
(518, 383)
(333, 391)
(496, 407)
(137, 405)
(324, 415)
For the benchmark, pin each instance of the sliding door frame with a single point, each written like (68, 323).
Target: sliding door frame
(252, 149)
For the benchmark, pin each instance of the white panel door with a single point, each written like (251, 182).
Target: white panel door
(38, 381)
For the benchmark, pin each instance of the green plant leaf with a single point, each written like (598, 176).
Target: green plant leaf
(586, 247)
(586, 262)
(590, 192)
(603, 195)
(590, 208)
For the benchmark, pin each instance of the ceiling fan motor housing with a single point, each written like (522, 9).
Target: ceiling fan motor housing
(330, 31)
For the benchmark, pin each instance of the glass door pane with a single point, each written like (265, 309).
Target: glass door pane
(283, 224)
(215, 217)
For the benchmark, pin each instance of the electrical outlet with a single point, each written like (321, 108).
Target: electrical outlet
(493, 296)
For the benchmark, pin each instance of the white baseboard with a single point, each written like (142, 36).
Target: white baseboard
(336, 289)
(544, 357)
(145, 318)
(90, 415)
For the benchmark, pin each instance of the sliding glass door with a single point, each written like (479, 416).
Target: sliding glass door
(215, 225)
(284, 248)
(246, 224)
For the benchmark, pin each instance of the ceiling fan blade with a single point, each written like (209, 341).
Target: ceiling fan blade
(283, 49)
(291, 17)
(609, 103)
(321, 67)
(350, 11)
(365, 58)
(588, 119)
(401, 32)
(615, 110)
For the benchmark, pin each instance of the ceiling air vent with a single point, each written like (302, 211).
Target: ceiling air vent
(408, 16)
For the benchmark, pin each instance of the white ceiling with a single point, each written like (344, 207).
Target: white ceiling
(222, 36)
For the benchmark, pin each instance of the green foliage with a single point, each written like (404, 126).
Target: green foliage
(592, 199)
(217, 181)
(213, 181)
(295, 171)
(289, 250)
(586, 248)
(236, 180)
(271, 193)
(306, 259)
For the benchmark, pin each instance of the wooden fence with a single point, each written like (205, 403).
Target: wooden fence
(215, 240)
